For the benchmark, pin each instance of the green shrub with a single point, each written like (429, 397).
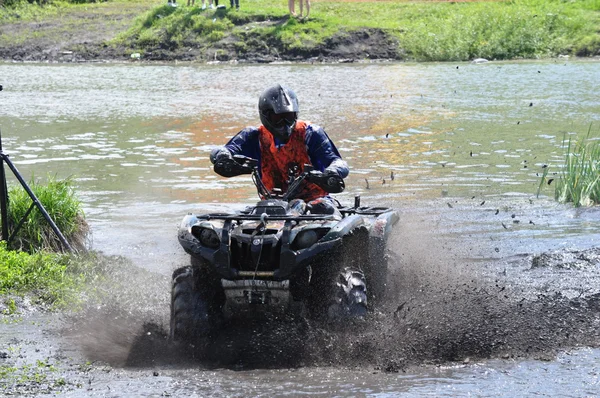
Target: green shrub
(59, 200)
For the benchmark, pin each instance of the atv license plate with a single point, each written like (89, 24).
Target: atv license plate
(257, 297)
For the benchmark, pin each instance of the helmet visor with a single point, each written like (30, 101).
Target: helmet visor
(280, 119)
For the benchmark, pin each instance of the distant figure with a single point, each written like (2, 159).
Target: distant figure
(172, 3)
(191, 2)
(307, 8)
(292, 8)
(236, 2)
(210, 2)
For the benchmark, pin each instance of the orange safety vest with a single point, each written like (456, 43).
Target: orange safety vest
(276, 162)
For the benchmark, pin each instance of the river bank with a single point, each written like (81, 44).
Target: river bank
(262, 32)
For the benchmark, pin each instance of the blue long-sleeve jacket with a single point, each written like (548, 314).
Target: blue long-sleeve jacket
(321, 150)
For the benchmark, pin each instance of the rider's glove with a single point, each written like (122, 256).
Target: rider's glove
(226, 165)
(329, 180)
(219, 153)
(330, 172)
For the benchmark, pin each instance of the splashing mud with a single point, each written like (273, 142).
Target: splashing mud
(448, 302)
(442, 305)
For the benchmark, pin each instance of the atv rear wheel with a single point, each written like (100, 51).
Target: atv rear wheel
(193, 310)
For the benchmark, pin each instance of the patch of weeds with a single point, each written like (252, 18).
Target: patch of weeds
(38, 377)
(579, 178)
(51, 279)
(11, 307)
(85, 367)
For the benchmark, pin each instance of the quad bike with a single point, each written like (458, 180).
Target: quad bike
(279, 258)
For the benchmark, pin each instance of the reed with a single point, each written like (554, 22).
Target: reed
(579, 179)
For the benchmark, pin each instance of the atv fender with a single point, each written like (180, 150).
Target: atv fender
(219, 256)
(383, 224)
(292, 260)
(344, 227)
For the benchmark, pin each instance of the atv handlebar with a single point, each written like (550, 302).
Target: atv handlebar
(331, 182)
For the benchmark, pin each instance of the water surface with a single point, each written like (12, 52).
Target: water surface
(458, 148)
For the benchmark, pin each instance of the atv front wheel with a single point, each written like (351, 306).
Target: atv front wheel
(192, 317)
(351, 295)
(339, 286)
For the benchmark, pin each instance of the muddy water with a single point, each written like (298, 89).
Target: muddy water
(458, 148)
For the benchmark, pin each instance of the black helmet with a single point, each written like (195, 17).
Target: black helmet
(278, 109)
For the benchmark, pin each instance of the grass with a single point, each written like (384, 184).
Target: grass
(51, 279)
(426, 31)
(63, 206)
(579, 181)
(41, 374)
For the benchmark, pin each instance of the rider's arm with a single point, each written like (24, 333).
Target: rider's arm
(324, 156)
(244, 143)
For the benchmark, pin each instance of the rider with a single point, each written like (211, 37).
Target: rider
(283, 143)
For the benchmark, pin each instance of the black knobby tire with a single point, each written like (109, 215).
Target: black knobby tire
(192, 317)
(339, 288)
(351, 294)
(376, 272)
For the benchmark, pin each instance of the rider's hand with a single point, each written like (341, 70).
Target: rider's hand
(329, 180)
(218, 154)
(229, 167)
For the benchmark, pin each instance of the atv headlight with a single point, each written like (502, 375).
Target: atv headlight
(207, 237)
(306, 239)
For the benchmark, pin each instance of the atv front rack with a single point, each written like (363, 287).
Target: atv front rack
(261, 217)
(346, 211)
(366, 211)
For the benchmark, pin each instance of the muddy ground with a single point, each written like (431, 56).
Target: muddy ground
(84, 36)
(445, 306)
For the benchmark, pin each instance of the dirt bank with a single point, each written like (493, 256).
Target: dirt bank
(83, 36)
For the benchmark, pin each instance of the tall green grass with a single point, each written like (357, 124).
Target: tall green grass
(63, 206)
(579, 181)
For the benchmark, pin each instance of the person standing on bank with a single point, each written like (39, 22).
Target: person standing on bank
(307, 4)
(303, 4)
(283, 143)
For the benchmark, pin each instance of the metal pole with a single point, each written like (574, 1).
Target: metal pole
(3, 193)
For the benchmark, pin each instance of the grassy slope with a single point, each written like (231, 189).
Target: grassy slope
(428, 31)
